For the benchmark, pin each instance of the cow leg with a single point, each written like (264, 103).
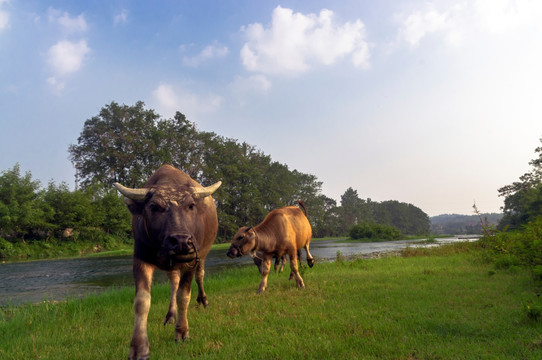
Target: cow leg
(282, 262)
(183, 300)
(278, 260)
(200, 273)
(310, 259)
(265, 267)
(295, 271)
(139, 346)
(174, 277)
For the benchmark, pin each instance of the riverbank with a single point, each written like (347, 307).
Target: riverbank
(55, 249)
(448, 305)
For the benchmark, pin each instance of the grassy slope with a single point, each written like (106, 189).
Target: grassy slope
(437, 307)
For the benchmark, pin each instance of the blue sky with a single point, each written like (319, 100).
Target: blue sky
(434, 103)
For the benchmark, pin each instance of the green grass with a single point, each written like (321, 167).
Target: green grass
(450, 305)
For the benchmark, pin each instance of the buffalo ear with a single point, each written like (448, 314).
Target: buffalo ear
(135, 207)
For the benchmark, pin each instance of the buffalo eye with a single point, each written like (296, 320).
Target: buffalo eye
(156, 208)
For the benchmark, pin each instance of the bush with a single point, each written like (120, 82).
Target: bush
(518, 247)
(374, 231)
(6, 248)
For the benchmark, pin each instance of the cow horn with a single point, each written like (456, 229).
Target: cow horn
(200, 193)
(133, 194)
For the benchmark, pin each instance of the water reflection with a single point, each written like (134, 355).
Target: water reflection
(34, 281)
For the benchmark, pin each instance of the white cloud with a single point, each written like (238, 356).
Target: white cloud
(257, 83)
(121, 18)
(418, 24)
(4, 16)
(463, 20)
(66, 57)
(498, 16)
(169, 99)
(56, 84)
(68, 23)
(242, 88)
(295, 42)
(208, 53)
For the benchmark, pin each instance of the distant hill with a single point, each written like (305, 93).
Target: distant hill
(455, 224)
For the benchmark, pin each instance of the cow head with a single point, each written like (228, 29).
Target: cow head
(243, 242)
(171, 218)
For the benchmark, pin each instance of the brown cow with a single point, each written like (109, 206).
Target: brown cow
(284, 231)
(174, 224)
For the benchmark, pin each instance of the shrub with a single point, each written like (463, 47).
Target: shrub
(6, 248)
(374, 231)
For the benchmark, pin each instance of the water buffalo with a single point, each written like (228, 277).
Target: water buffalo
(174, 224)
(284, 231)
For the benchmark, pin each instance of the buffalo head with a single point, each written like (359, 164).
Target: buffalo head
(169, 219)
(243, 242)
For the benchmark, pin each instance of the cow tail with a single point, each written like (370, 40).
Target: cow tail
(302, 206)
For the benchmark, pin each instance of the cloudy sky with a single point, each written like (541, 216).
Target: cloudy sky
(434, 103)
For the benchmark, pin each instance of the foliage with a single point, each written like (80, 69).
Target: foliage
(374, 232)
(31, 214)
(20, 210)
(518, 247)
(127, 143)
(408, 218)
(523, 199)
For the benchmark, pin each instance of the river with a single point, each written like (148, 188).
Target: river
(55, 280)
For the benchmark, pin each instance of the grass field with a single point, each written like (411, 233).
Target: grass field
(450, 305)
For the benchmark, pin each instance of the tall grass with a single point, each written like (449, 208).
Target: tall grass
(446, 306)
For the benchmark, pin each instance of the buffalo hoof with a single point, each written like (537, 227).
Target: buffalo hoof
(138, 357)
(181, 334)
(202, 301)
(184, 339)
(170, 318)
(310, 262)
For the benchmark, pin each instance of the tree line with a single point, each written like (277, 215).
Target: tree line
(126, 144)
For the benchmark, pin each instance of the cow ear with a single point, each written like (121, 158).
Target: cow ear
(248, 229)
(135, 207)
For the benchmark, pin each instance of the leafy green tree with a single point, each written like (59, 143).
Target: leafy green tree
(373, 231)
(408, 218)
(523, 199)
(354, 209)
(21, 211)
(120, 144)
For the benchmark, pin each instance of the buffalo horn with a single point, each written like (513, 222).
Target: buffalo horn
(133, 194)
(200, 193)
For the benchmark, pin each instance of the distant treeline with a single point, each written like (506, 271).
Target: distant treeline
(127, 144)
(455, 224)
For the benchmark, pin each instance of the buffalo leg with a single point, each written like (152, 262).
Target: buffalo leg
(174, 278)
(265, 267)
(183, 300)
(200, 273)
(295, 271)
(310, 259)
(139, 346)
(279, 263)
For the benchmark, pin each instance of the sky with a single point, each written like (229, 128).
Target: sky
(433, 103)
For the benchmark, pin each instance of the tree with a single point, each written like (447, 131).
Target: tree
(118, 145)
(21, 211)
(354, 209)
(523, 199)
